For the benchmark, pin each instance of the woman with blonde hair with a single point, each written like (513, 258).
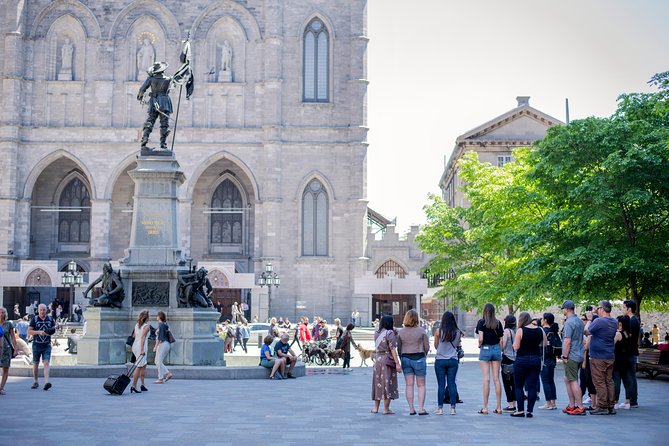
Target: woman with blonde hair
(162, 348)
(490, 333)
(413, 346)
(139, 348)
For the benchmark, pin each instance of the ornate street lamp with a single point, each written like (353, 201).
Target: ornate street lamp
(269, 278)
(72, 277)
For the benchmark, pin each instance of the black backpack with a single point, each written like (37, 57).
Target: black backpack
(554, 347)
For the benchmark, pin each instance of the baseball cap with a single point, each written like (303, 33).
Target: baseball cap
(567, 304)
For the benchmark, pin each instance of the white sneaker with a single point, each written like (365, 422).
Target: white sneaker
(587, 400)
(616, 406)
(545, 407)
(623, 406)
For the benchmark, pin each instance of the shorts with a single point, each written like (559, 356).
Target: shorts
(416, 367)
(490, 353)
(571, 369)
(42, 351)
(267, 363)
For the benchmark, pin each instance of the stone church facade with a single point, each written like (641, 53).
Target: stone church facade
(272, 144)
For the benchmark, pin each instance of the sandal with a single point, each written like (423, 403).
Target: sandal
(2, 392)
(168, 376)
(482, 412)
(160, 381)
(425, 412)
(412, 413)
(497, 411)
(374, 411)
(390, 412)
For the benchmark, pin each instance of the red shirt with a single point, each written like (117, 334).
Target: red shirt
(304, 333)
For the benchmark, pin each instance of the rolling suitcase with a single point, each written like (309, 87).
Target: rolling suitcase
(116, 384)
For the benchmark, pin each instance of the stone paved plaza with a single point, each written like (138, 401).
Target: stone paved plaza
(325, 407)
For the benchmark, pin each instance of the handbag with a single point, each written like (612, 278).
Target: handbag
(170, 336)
(459, 350)
(131, 339)
(507, 369)
(390, 361)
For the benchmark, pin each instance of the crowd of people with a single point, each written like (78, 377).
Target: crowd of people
(599, 353)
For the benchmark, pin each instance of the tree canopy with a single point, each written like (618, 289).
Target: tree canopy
(582, 215)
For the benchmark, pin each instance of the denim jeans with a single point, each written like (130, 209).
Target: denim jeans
(622, 374)
(548, 380)
(446, 369)
(526, 369)
(632, 392)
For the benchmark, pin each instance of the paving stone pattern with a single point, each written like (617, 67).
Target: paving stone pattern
(327, 406)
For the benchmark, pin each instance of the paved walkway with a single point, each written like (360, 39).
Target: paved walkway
(326, 407)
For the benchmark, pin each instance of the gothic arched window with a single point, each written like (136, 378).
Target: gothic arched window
(74, 218)
(228, 216)
(316, 61)
(314, 220)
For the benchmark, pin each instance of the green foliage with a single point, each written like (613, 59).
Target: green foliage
(484, 243)
(608, 182)
(584, 216)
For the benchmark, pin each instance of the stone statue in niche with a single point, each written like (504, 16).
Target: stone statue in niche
(195, 289)
(225, 73)
(112, 289)
(146, 55)
(66, 52)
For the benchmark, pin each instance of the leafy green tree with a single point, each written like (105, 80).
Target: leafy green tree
(607, 181)
(484, 242)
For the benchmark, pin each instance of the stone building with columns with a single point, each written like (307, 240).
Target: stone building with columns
(272, 144)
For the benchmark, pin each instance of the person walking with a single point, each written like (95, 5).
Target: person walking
(550, 328)
(529, 341)
(602, 355)
(41, 328)
(246, 334)
(386, 366)
(162, 348)
(22, 328)
(490, 333)
(139, 349)
(447, 338)
(8, 347)
(413, 345)
(508, 358)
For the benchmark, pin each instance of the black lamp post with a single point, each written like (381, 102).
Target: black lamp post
(269, 278)
(72, 278)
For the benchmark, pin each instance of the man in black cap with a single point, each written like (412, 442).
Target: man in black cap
(572, 356)
(159, 103)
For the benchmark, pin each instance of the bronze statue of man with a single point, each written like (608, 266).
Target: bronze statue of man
(159, 102)
(112, 289)
(195, 289)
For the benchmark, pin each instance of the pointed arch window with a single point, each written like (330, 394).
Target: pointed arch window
(315, 220)
(316, 62)
(228, 221)
(74, 219)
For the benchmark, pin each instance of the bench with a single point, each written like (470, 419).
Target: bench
(652, 362)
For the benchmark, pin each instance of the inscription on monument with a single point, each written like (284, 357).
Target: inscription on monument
(150, 294)
(154, 222)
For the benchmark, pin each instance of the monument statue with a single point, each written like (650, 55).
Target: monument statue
(146, 55)
(112, 289)
(194, 289)
(225, 74)
(159, 103)
(66, 51)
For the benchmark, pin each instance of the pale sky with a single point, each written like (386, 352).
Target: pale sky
(438, 68)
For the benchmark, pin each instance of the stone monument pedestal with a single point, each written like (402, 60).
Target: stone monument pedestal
(106, 332)
(150, 273)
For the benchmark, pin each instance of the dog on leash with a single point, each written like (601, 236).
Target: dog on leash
(335, 356)
(365, 354)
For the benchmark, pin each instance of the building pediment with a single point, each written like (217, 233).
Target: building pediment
(520, 124)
